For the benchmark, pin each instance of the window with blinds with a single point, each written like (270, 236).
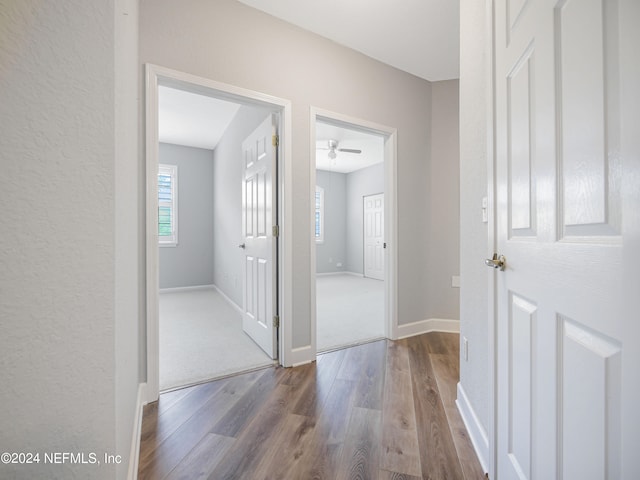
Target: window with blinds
(319, 215)
(168, 205)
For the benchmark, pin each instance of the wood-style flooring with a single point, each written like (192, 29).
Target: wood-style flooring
(379, 411)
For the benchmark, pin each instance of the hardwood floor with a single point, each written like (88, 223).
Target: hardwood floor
(384, 410)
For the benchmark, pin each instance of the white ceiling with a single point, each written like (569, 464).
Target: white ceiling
(192, 120)
(372, 147)
(418, 36)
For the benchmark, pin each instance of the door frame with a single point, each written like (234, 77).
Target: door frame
(156, 76)
(390, 213)
(492, 239)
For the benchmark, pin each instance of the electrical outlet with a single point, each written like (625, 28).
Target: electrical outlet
(465, 349)
(339, 264)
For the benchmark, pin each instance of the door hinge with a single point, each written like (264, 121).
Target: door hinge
(276, 321)
(275, 231)
(275, 140)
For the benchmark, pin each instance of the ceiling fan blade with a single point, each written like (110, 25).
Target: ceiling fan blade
(349, 150)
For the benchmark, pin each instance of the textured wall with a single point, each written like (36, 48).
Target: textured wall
(61, 390)
(190, 263)
(473, 186)
(250, 49)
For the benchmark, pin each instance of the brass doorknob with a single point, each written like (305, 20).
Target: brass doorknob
(498, 261)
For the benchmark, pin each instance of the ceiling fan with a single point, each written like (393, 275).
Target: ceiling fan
(333, 148)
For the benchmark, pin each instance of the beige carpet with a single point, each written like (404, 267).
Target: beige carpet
(350, 310)
(201, 338)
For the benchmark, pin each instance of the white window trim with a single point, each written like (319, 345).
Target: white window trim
(320, 238)
(172, 240)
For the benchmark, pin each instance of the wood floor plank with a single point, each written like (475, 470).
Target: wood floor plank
(386, 475)
(370, 389)
(321, 459)
(438, 455)
(157, 462)
(169, 399)
(249, 404)
(361, 451)
(384, 410)
(443, 343)
(163, 421)
(399, 449)
(352, 364)
(286, 450)
(201, 461)
(446, 370)
(253, 440)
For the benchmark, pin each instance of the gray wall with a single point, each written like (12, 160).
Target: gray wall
(367, 181)
(190, 263)
(69, 251)
(334, 248)
(444, 244)
(473, 186)
(227, 202)
(172, 34)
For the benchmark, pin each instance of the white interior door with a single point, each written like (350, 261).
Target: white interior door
(374, 236)
(259, 155)
(566, 365)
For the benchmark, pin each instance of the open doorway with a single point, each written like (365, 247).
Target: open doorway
(200, 291)
(200, 222)
(349, 232)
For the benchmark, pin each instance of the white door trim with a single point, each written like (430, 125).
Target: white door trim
(155, 76)
(490, 461)
(390, 214)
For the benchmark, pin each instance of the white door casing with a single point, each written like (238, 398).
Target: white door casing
(259, 216)
(373, 207)
(565, 366)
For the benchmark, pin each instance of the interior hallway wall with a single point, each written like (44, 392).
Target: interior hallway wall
(69, 249)
(474, 43)
(172, 35)
(240, 42)
(227, 201)
(444, 184)
(190, 263)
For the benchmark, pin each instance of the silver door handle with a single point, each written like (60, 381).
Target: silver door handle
(498, 262)
(242, 245)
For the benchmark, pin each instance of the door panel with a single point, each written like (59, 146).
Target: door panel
(374, 236)
(561, 319)
(259, 215)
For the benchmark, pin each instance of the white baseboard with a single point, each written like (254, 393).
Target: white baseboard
(477, 433)
(426, 326)
(186, 289)
(229, 301)
(134, 454)
(327, 274)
